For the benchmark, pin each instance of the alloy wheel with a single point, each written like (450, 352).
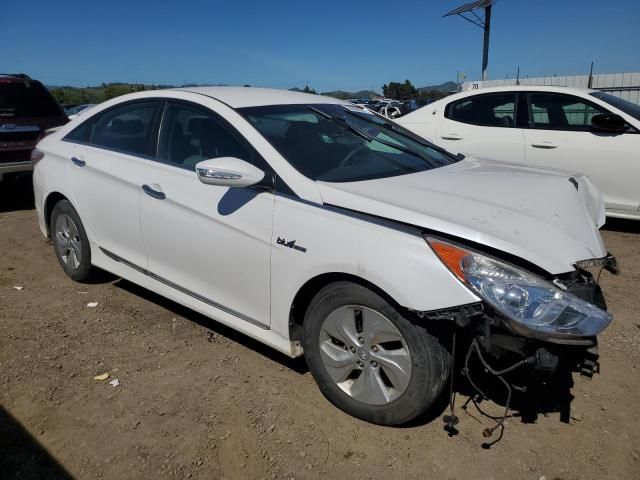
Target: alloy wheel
(68, 241)
(365, 354)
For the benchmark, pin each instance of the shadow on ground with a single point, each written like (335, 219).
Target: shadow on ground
(22, 456)
(622, 225)
(16, 193)
(552, 396)
(296, 364)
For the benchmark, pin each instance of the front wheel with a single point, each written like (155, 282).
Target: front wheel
(368, 359)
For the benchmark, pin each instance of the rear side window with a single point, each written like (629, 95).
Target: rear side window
(561, 112)
(128, 128)
(490, 110)
(27, 99)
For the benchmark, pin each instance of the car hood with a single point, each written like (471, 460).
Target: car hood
(547, 217)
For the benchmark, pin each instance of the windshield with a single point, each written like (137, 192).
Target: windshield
(621, 104)
(339, 143)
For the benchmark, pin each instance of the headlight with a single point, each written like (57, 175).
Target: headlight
(535, 307)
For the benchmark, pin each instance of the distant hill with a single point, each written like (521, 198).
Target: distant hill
(344, 94)
(443, 87)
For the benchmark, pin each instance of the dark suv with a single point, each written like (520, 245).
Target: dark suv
(27, 109)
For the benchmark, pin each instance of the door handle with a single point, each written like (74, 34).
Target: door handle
(451, 136)
(159, 194)
(78, 162)
(544, 145)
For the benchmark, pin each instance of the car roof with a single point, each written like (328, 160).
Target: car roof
(240, 97)
(523, 88)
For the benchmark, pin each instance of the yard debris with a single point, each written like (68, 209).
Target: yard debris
(92, 304)
(102, 376)
(115, 382)
(17, 287)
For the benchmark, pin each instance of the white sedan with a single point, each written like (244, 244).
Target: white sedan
(320, 228)
(571, 129)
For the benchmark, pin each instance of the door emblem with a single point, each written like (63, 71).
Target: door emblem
(291, 244)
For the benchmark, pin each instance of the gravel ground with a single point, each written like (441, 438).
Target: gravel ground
(196, 400)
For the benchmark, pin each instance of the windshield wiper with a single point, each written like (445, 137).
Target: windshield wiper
(393, 128)
(343, 123)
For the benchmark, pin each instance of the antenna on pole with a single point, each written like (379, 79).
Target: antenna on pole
(484, 23)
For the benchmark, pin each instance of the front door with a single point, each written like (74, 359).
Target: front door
(560, 137)
(211, 242)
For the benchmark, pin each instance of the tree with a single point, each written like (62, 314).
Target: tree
(400, 91)
(306, 89)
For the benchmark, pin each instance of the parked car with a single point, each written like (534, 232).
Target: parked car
(73, 112)
(320, 228)
(576, 130)
(27, 109)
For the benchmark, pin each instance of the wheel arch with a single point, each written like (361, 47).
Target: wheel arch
(52, 199)
(311, 287)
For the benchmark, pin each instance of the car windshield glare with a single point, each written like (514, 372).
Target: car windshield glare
(341, 143)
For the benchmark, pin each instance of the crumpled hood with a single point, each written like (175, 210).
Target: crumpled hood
(547, 217)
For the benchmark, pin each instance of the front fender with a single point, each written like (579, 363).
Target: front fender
(393, 259)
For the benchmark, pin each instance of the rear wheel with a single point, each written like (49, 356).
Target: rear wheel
(370, 360)
(70, 242)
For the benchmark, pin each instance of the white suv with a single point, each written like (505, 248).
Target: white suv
(320, 228)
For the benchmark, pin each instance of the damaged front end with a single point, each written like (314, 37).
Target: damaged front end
(526, 329)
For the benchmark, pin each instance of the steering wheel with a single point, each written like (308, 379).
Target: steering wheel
(347, 160)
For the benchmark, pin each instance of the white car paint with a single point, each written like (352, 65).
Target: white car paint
(237, 268)
(612, 162)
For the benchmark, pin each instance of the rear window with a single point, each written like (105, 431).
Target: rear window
(27, 99)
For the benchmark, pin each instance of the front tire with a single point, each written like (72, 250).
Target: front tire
(70, 242)
(368, 359)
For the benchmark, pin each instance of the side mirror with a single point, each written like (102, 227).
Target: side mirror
(228, 172)
(608, 123)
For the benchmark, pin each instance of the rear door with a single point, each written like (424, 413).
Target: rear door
(483, 125)
(210, 242)
(104, 168)
(560, 136)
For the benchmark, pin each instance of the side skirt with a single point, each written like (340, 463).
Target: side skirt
(186, 291)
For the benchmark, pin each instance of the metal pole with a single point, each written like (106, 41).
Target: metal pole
(518, 76)
(590, 85)
(485, 49)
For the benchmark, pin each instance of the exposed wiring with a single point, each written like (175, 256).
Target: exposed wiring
(488, 432)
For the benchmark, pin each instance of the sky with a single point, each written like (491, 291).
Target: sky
(346, 44)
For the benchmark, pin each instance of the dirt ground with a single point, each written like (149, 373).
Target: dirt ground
(197, 400)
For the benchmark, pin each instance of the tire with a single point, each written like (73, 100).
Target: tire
(381, 393)
(70, 242)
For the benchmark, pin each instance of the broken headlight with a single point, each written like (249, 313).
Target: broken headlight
(533, 306)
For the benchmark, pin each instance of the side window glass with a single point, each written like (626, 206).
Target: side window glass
(190, 135)
(82, 133)
(491, 110)
(561, 112)
(128, 128)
